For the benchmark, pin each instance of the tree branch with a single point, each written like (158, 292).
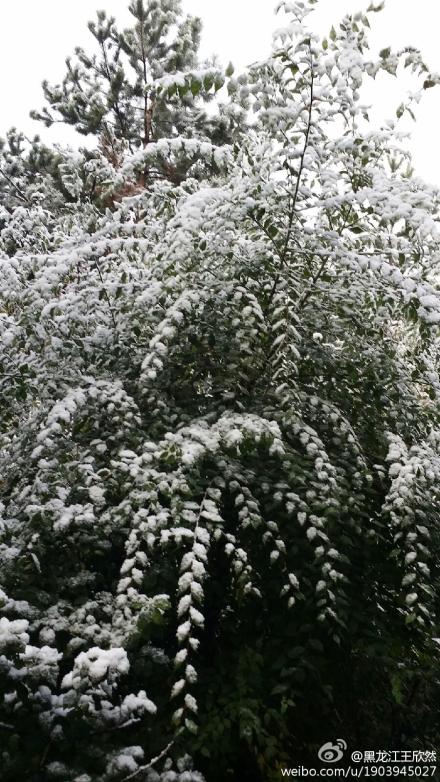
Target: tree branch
(154, 760)
(19, 192)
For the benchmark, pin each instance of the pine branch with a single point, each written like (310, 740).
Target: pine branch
(19, 192)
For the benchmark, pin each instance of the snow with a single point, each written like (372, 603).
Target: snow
(44, 655)
(177, 687)
(200, 370)
(97, 664)
(13, 633)
(183, 631)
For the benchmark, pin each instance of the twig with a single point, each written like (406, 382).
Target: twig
(20, 193)
(306, 295)
(301, 165)
(147, 112)
(154, 760)
(96, 265)
(45, 754)
(297, 185)
(115, 102)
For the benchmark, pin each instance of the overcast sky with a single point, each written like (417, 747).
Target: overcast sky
(37, 35)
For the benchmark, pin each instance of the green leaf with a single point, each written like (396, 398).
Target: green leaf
(272, 231)
(279, 689)
(316, 644)
(20, 393)
(195, 87)
(396, 688)
(191, 726)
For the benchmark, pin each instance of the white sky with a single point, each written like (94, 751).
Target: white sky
(37, 35)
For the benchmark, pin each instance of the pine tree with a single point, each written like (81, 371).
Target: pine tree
(142, 85)
(220, 448)
(31, 193)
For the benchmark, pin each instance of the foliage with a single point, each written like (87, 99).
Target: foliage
(220, 447)
(138, 86)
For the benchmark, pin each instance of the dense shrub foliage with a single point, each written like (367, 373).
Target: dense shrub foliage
(220, 435)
